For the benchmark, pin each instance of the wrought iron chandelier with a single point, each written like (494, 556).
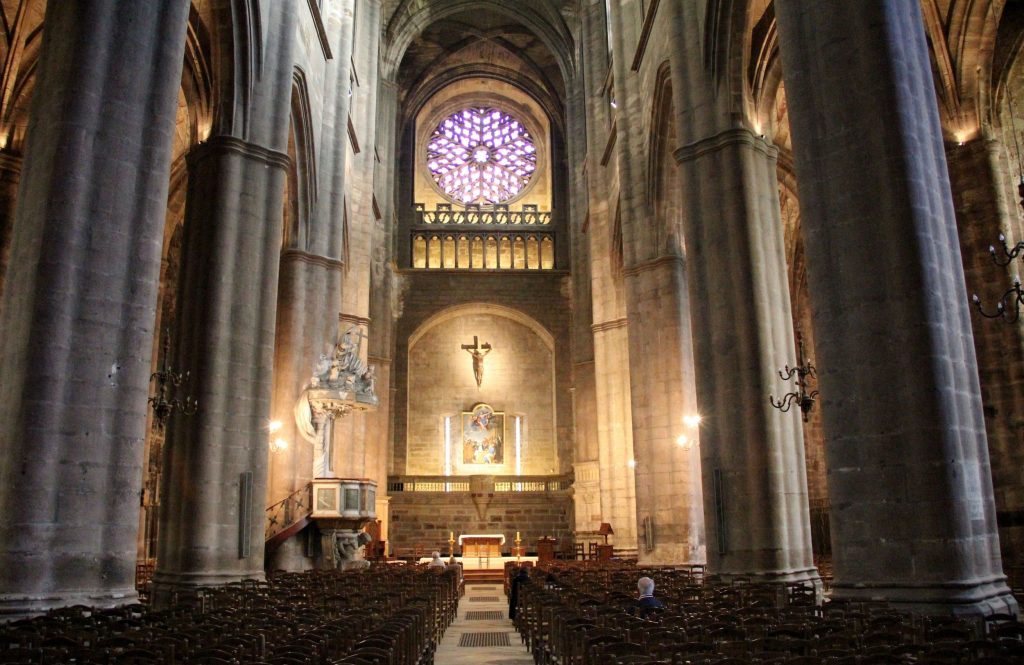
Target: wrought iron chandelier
(801, 397)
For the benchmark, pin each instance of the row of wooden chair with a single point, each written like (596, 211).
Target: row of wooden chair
(384, 615)
(585, 614)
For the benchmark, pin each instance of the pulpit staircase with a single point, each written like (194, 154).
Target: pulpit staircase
(287, 517)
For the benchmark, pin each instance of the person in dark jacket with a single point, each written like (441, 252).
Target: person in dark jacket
(521, 577)
(647, 603)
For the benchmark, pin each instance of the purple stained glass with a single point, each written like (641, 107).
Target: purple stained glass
(481, 155)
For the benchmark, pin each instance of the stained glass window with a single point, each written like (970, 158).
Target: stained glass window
(482, 156)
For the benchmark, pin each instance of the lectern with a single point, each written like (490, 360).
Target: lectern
(546, 548)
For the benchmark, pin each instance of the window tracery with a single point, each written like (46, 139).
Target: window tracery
(481, 156)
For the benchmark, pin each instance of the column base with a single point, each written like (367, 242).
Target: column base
(167, 586)
(957, 598)
(16, 606)
(804, 576)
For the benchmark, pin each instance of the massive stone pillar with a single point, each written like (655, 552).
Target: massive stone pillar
(913, 520)
(215, 462)
(668, 487)
(614, 431)
(212, 520)
(10, 176)
(986, 206)
(357, 456)
(311, 281)
(668, 484)
(615, 463)
(382, 292)
(752, 458)
(79, 298)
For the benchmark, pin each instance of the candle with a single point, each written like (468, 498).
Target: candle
(517, 535)
(451, 535)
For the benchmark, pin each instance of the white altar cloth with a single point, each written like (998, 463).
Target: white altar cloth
(483, 535)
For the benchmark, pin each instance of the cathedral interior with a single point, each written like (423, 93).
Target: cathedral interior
(718, 285)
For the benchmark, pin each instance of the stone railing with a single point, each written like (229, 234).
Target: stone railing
(483, 249)
(497, 215)
(490, 484)
(492, 238)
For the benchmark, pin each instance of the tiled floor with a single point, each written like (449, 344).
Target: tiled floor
(450, 653)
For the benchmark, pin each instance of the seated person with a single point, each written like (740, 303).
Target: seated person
(436, 562)
(647, 603)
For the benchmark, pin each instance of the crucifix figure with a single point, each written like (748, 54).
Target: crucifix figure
(478, 351)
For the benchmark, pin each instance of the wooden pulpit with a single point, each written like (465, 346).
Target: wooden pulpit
(546, 548)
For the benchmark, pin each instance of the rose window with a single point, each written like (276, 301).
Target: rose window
(481, 155)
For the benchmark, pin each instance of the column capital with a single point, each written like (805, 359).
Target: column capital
(294, 255)
(219, 145)
(730, 137)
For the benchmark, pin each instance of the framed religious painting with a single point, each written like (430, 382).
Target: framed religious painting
(483, 436)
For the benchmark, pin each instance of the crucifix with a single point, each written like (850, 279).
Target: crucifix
(478, 351)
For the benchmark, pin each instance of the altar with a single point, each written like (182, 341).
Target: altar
(487, 545)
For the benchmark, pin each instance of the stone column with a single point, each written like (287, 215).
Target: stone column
(10, 176)
(215, 462)
(986, 206)
(356, 456)
(613, 430)
(913, 520)
(668, 489)
(381, 342)
(752, 457)
(79, 298)
(311, 281)
(668, 484)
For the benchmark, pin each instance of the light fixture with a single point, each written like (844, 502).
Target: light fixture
(274, 425)
(631, 463)
(801, 397)
(683, 440)
(693, 420)
(279, 445)
(1008, 306)
(166, 381)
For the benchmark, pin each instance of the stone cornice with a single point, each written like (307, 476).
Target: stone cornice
(633, 270)
(730, 137)
(297, 255)
(230, 144)
(352, 318)
(379, 360)
(609, 325)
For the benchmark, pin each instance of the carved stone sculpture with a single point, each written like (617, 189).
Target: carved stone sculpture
(341, 381)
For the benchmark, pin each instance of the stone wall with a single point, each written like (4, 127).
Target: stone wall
(535, 301)
(517, 381)
(423, 520)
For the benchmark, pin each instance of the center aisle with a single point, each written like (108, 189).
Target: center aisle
(482, 634)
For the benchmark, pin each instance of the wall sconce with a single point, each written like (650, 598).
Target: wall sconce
(693, 420)
(1013, 296)
(277, 444)
(801, 397)
(166, 381)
